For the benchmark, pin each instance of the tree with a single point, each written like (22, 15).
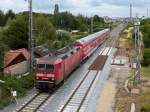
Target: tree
(3, 48)
(63, 35)
(16, 36)
(2, 17)
(43, 29)
(9, 15)
(145, 28)
(146, 57)
(83, 27)
(82, 23)
(64, 20)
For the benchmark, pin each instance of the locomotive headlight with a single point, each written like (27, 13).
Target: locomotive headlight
(40, 75)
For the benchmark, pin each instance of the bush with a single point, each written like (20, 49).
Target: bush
(145, 108)
(21, 85)
(146, 57)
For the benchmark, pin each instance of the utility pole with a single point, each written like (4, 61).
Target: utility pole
(92, 24)
(147, 13)
(137, 52)
(31, 39)
(130, 12)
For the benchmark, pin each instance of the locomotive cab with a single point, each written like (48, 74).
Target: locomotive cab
(48, 73)
(44, 75)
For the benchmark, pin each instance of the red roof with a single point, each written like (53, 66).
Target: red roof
(12, 54)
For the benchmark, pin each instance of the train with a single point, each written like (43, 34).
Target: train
(51, 70)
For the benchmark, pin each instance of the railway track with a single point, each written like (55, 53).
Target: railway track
(75, 101)
(78, 96)
(35, 103)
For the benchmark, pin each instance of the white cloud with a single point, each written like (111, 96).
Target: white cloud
(85, 7)
(15, 5)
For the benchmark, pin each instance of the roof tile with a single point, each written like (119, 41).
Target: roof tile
(12, 54)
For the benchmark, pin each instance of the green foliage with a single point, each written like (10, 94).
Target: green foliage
(57, 44)
(5, 17)
(145, 108)
(9, 15)
(146, 57)
(21, 85)
(3, 48)
(5, 98)
(63, 35)
(76, 36)
(83, 27)
(146, 71)
(98, 21)
(64, 20)
(16, 35)
(44, 30)
(145, 28)
(67, 21)
(2, 18)
(82, 23)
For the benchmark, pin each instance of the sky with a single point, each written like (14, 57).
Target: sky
(111, 8)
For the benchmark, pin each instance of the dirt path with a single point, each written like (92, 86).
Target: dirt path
(107, 99)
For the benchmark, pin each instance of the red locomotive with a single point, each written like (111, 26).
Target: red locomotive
(52, 70)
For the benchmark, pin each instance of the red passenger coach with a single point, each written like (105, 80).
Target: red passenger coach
(91, 42)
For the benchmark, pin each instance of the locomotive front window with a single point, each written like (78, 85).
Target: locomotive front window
(41, 67)
(50, 68)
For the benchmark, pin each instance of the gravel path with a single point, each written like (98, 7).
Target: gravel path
(106, 100)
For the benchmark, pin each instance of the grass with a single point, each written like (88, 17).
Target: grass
(76, 36)
(124, 99)
(146, 71)
(125, 42)
(79, 36)
(142, 100)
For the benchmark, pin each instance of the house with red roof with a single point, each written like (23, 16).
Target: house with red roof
(16, 61)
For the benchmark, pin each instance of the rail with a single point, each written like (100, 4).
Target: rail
(35, 103)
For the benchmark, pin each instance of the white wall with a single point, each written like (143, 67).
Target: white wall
(17, 69)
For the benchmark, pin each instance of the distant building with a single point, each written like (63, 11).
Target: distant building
(16, 62)
(74, 32)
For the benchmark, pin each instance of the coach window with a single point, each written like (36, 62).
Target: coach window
(50, 68)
